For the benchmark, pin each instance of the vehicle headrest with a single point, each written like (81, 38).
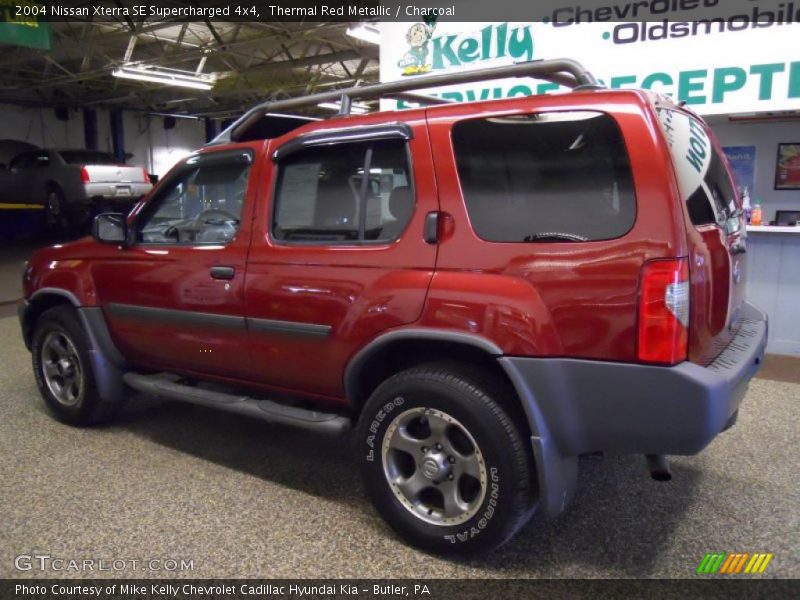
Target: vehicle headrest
(401, 204)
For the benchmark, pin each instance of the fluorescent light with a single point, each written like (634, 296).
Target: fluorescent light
(165, 77)
(367, 33)
(355, 107)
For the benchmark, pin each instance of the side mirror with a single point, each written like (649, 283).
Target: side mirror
(110, 228)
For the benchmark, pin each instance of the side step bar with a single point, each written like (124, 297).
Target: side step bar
(165, 387)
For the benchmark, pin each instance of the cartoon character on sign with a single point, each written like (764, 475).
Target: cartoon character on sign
(415, 61)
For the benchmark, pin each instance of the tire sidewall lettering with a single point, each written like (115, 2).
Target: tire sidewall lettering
(493, 498)
(375, 425)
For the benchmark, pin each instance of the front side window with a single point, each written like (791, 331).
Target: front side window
(202, 204)
(344, 193)
(549, 177)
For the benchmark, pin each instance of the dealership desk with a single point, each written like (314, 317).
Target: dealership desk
(773, 283)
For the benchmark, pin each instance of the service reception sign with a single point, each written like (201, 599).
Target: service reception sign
(745, 64)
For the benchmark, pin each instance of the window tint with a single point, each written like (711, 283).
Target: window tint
(545, 178)
(344, 193)
(87, 157)
(201, 205)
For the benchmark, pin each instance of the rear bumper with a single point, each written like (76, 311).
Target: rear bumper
(589, 406)
(122, 191)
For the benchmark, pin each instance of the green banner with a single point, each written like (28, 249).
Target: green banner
(20, 24)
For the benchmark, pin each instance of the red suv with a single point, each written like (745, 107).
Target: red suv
(482, 291)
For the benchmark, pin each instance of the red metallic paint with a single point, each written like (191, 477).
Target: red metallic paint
(558, 299)
(544, 299)
(360, 291)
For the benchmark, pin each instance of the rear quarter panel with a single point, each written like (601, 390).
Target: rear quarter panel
(553, 299)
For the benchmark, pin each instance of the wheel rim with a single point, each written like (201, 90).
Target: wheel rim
(434, 467)
(61, 368)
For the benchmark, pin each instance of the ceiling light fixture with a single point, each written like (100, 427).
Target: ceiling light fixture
(165, 76)
(355, 108)
(365, 32)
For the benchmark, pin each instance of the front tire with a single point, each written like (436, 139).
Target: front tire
(443, 462)
(63, 372)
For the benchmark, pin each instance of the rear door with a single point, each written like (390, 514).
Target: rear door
(338, 254)
(716, 233)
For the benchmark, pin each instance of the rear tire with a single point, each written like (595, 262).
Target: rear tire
(55, 213)
(442, 461)
(63, 372)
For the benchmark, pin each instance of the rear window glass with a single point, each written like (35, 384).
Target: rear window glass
(702, 176)
(550, 177)
(87, 157)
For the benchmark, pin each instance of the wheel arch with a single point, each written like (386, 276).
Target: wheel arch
(402, 349)
(107, 362)
(40, 301)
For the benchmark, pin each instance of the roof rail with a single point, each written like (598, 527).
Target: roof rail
(563, 71)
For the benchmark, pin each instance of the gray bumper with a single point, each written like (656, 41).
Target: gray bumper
(580, 406)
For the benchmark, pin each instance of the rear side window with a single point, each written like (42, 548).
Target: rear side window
(344, 193)
(550, 177)
(702, 176)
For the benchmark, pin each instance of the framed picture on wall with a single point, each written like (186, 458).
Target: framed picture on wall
(787, 169)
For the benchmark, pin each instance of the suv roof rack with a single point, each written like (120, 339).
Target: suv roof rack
(563, 71)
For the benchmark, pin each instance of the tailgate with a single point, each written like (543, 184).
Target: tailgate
(716, 233)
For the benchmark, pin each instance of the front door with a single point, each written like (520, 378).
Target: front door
(173, 300)
(338, 253)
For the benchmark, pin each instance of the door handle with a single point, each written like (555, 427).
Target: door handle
(430, 232)
(226, 273)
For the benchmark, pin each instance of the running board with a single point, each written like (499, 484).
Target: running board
(168, 388)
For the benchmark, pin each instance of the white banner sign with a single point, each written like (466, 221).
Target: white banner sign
(734, 66)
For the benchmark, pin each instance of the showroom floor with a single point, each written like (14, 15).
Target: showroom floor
(239, 496)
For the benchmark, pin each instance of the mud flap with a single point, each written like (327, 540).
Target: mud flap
(107, 362)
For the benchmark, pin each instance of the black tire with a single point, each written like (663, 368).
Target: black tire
(56, 217)
(444, 389)
(60, 326)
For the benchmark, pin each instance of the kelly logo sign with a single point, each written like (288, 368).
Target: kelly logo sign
(748, 63)
(426, 52)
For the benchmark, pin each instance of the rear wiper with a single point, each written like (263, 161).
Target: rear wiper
(555, 236)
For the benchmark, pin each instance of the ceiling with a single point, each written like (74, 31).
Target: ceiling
(253, 62)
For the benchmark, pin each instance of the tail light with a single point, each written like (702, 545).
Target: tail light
(145, 175)
(664, 311)
(85, 175)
